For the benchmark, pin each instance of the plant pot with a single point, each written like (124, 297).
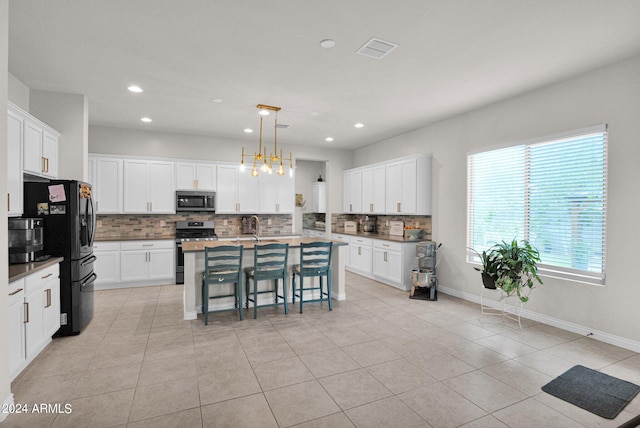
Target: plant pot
(489, 281)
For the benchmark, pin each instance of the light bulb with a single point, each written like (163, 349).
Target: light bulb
(242, 167)
(254, 173)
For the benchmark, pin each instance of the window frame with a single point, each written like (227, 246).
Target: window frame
(572, 274)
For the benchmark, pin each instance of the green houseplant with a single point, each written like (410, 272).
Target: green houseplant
(513, 266)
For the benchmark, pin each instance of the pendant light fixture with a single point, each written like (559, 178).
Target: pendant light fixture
(260, 157)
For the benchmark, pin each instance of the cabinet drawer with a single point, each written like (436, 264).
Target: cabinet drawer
(361, 241)
(106, 246)
(37, 279)
(387, 245)
(341, 238)
(16, 291)
(147, 245)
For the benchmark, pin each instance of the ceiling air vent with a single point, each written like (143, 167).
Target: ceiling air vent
(376, 48)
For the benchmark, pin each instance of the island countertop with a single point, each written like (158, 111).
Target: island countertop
(190, 246)
(20, 270)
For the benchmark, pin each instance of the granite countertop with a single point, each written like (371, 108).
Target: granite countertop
(382, 236)
(249, 244)
(20, 270)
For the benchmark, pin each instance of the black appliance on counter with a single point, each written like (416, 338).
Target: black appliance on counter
(69, 230)
(26, 239)
(191, 231)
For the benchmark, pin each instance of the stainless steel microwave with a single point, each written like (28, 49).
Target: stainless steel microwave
(195, 200)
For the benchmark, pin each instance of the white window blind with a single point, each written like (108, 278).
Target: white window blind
(550, 192)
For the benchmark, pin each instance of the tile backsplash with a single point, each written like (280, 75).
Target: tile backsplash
(163, 226)
(382, 222)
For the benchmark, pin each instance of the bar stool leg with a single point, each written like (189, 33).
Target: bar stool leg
(329, 289)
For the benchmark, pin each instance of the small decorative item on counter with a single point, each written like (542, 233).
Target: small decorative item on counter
(411, 232)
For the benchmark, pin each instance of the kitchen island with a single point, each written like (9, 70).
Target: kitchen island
(194, 266)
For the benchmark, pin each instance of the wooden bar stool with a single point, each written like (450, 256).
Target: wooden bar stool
(315, 261)
(222, 265)
(269, 263)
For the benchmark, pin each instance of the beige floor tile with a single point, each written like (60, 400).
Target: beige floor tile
(582, 416)
(476, 355)
(330, 362)
(159, 371)
(211, 360)
(268, 351)
(400, 376)
(519, 376)
(389, 412)
(440, 364)
(117, 356)
(531, 413)
(578, 355)
(535, 337)
(170, 349)
(440, 406)
(545, 363)
(65, 365)
(110, 379)
(467, 330)
(313, 341)
(30, 420)
(97, 411)
(161, 399)
(505, 346)
(184, 419)
(300, 403)
(227, 384)
(347, 336)
(279, 373)
(175, 332)
(354, 388)
(485, 422)
(337, 420)
(50, 389)
(484, 391)
(370, 353)
(251, 412)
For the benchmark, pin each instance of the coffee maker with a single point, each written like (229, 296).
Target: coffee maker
(369, 224)
(26, 239)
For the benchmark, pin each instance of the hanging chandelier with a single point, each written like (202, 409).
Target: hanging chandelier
(260, 157)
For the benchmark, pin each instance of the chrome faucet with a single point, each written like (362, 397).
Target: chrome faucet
(256, 234)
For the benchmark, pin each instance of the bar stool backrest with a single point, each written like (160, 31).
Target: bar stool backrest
(223, 263)
(315, 258)
(270, 261)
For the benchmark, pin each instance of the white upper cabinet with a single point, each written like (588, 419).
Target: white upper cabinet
(319, 197)
(237, 192)
(149, 187)
(276, 193)
(400, 186)
(15, 125)
(107, 180)
(39, 145)
(195, 176)
(373, 189)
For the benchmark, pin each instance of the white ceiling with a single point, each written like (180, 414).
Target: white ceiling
(453, 56)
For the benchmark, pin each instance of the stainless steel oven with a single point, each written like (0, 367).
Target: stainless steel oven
(191, 231)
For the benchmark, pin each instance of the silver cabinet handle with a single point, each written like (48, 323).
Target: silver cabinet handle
(46, 276)
(26, 317)
(385, 256)
(16, 292)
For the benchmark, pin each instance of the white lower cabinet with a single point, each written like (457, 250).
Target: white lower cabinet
(34, 316)
(342, 238)
(387, 261)
(107, 265)
(135, 263)
(361, 255)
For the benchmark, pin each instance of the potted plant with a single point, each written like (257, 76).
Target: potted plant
(511, 266)
(489, 270)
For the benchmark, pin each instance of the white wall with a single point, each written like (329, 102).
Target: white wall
(306, 174)
(69, 115)
(18, 93)
(608, 95)
(133, 142)
(5, 384)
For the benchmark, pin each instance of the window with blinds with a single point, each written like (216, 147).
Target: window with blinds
(551, 192)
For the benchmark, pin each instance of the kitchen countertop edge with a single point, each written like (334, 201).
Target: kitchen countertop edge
(383, 237)
(21, 270)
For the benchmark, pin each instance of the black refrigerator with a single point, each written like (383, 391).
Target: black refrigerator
(69, 217)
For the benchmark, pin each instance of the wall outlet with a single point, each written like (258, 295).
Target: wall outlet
(225, 222)
(268, 222)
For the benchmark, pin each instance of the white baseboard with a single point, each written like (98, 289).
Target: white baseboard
(602, 336)
(8, 402)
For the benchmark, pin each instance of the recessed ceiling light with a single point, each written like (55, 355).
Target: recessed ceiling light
(327, 43)
(328, 139)
(134, 88)
(248, 130)
(217, 100)
(314, 113)
(359, 125)
(146, 120)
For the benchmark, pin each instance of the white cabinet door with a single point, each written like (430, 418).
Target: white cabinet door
(136, 176)
(374, 189)
(248, 193)
(353, 191)
(161, 188)
(387, 265)
(17, 345)
(206, 177)
(51, 316)
(134, 265)
(108, 184)
(161, 264)
(185, 176)
(226, 202)
(286, 194)
(33, 162)
(361, 258)
(107, 265)
(402, 185)
(34, 321)
(319, 199)
(14, 164)
(50, 154)
(268, 192)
